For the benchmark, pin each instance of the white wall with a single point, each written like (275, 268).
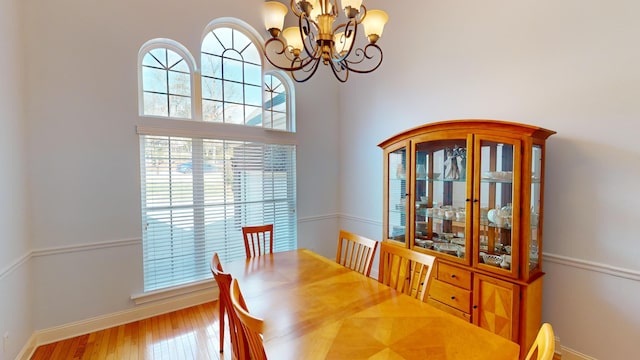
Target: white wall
(569, 66)
(81, 60)
(15, 294)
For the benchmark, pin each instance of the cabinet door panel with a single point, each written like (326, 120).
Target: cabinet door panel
(497, 204)
(496, 306)
(441, 193)
(395, 191)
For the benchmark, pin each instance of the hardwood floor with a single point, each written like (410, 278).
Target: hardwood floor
(190, 333)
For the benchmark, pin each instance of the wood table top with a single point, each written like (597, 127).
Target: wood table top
(314, 308)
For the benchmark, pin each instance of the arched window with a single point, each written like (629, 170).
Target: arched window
(166, 77)
(233, 81)
(278, 102)
(231, 77)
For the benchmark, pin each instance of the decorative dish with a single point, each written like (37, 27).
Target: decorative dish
(494, 260)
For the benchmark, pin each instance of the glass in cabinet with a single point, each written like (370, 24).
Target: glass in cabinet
(497, 202)
(396, 194)
(440, 196)
(535, 231)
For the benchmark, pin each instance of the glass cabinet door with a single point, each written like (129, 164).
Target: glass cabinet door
(441, 192)
(397, 195)
(534, 213)
(497, 204)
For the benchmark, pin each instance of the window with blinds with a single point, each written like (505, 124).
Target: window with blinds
(203, 180)
(198, 193)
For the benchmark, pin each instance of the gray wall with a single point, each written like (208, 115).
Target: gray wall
(15, 288)
(569, 66)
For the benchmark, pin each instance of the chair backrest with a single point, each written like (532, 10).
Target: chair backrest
(238, 341)
(405, 270)
(256, 240)
(251, 325)
(544, 346)
(356, 252)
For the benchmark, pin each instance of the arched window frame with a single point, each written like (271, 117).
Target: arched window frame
(194, 78)
(291, 100)
(257, 41)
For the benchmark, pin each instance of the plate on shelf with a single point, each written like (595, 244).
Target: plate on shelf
(447, 248)
(497, 175)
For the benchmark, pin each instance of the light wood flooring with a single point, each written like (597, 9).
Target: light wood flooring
(191, 333)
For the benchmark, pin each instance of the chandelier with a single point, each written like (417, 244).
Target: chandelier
(321, 36)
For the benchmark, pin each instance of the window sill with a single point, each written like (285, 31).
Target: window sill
(191, 290)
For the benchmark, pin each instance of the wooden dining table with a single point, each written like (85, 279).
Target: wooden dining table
(314, 308)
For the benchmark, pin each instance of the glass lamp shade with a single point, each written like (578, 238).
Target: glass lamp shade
(317, 10)
(374, 22)
(293, 38)
(355, 4)
(274, 13)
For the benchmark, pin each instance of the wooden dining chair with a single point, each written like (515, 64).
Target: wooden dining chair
(238, 342)
(405, 270)
(256, 240)
(251, 325)
(356, 252)
(544, 345)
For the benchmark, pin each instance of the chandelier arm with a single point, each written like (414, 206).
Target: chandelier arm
(363, 54)
(342, 70)
(348, 33)
(303, 62)
(305, 29)
(362, 14)
(294, 8)
(334, 8)
(310, 71)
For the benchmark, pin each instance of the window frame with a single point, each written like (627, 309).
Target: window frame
(163, 43)
(196, 128)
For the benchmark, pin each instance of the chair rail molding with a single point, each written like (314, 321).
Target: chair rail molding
(628, 274)
(14, 265)
(65, 249)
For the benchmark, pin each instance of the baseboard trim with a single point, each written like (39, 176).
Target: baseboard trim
(570, 354)
(57, 333)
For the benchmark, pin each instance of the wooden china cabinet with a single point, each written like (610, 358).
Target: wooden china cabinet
(470, 192)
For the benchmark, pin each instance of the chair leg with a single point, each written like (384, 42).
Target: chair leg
(221, 321)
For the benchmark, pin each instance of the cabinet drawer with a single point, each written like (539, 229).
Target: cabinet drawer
(448, 309)
(454, 275)
(450, 295)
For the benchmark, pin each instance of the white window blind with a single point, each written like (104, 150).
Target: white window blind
(198, 193)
